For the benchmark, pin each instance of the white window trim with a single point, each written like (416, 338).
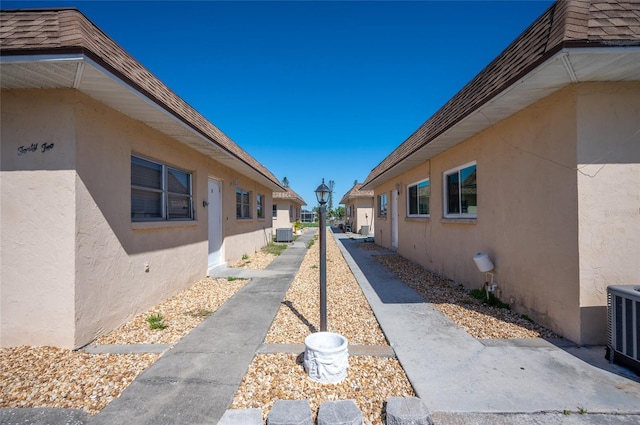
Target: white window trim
(408, 199)
(445, 193)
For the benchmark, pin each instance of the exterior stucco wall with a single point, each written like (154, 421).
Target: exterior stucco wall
(351, 213)
(282, 220)
(242, 235)
(527, 213)
(414, 231)
(382, 232)
(74, 203)
(112, 253)
(37, 217)
(609, 196)
(364, 214)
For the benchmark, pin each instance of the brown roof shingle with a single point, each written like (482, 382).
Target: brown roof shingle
(55, 31)
(289, 195)
(356, 192)
(570, 23)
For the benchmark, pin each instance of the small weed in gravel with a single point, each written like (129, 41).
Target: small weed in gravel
(200, 313)
(492, 300)
(274, 248)
(156, 321)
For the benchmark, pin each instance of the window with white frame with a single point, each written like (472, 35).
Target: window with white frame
(461, 192)
(243, 203)
(274, 210)
(160, 192)
(418, 195)
(260, 206)
(382, 205)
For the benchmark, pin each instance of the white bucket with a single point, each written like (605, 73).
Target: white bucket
(326, 357)
(483, 262)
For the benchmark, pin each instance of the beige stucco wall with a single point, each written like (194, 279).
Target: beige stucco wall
(37, 213)
(242, 236)
(527, 221)
(609, 194)
(282, 220)
(361, 214)
(73, 206)
(382, 231)
(558, 207)
(112, 252)
(350, 213)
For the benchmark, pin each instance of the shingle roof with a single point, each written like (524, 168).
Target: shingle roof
(60, 31)
(355, 192)
(289, 195)
(572, 23)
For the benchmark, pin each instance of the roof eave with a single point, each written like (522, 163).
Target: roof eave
(144, 102)
(518, 93)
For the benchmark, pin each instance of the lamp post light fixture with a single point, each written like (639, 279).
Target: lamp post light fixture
(326, 353)
(322, 194)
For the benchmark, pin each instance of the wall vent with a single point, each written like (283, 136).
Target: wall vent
(284, 235)
(623, 304)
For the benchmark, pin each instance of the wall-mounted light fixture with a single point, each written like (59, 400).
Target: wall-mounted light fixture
(205, 204)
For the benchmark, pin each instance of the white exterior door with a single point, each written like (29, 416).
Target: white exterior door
(394, 219)
(215, 223)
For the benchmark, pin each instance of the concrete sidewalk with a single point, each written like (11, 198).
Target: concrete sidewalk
(463, 380)
(194, 383)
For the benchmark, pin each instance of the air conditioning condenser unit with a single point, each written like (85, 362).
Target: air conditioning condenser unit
(284, 235)
(623, 305)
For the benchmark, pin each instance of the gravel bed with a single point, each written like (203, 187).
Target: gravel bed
(181, 313)
(348, 312)
(258, 261)
(480, 320)
(55, 377)
(60, 378)
(52, 377)
(370, 380)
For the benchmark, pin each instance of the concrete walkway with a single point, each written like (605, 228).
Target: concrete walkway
(194, 383)
(465, 380)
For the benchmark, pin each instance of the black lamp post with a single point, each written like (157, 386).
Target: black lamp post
(322, 194)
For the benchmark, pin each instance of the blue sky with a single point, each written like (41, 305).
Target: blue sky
(312, 89)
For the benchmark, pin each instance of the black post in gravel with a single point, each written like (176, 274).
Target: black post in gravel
(322, 194)
(323, 270)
